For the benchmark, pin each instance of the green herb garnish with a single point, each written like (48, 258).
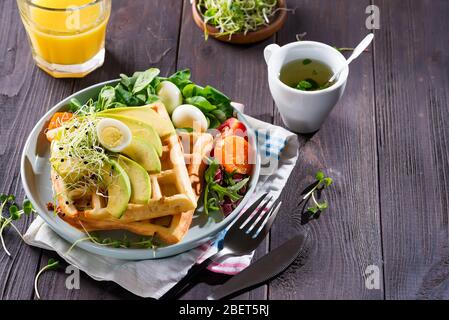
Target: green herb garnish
(214, 193)
(51, 265)
(312, 85)
(308, 85)
(15, 213)
(322, 182)
(306, 62)
(304, 85)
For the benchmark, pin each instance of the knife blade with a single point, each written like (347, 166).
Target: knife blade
(264, 269)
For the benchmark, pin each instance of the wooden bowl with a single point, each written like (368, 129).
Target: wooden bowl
(240, 38)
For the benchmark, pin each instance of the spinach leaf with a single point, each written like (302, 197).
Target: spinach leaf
(155, 83)
(152, 98)
(196, 95)
(201, 103)
(213, 121)
(220, 115)
(142, 97)
(106, 97)
(227, 109)
(144, 79)
(181, 78)
(126, 81)
(220, 100)
(151, 90)
(215, 96)
(125, 97)
(151, 95)
(181, 74)
(192, 90)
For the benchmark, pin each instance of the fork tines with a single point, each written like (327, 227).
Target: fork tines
(258, 217)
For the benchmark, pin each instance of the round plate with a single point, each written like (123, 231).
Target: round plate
(242, 38)
(35, 174)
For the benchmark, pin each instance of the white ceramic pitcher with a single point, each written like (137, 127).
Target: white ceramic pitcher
(304, 111)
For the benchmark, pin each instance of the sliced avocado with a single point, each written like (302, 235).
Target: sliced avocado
(139, 179)
(119, 191)
(139, 129)
(144, 154)
(146, 114)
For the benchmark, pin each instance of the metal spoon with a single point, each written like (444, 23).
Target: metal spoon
(355, 54)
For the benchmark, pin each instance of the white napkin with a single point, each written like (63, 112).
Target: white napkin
(152, 278)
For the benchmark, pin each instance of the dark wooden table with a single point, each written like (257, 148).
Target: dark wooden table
(386, 144)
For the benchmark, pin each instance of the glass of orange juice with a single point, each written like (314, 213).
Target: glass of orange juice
(66, 36)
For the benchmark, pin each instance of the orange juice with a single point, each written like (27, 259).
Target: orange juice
(66, 35)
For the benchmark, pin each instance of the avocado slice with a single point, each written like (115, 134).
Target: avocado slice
(139, 179)
(146, 114)
(119, 190)
(144, 154)
(139, 129)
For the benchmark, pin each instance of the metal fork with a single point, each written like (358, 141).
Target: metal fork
(243, 237)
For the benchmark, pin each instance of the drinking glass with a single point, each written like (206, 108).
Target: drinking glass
(67, 37)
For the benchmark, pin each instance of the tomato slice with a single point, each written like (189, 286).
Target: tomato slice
(58, 119)
(233, 127)
(232, 152)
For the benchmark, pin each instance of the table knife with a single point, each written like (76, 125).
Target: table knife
(263, 269)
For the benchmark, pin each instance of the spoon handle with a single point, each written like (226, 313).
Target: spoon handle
(357, 52)
(361, 47)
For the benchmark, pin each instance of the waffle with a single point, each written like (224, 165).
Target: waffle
(170, 229)
(175, 191)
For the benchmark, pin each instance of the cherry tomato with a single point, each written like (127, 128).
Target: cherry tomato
(233, 127)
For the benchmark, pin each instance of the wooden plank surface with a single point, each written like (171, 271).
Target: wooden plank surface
(25, 94)
(346, 239)
(412, 81)
(155, 45)
(238, 71)
(385, 144)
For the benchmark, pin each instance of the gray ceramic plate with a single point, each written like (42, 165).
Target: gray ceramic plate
(35, 173)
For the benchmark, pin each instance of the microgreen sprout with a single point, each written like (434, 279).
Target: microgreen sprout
(78, 157)
(321, 183)
(15, 213)
(144, 243)
(51, 265)
(235, 16)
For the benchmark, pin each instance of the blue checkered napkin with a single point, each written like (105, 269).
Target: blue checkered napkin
(278, 149)
(270, 145)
